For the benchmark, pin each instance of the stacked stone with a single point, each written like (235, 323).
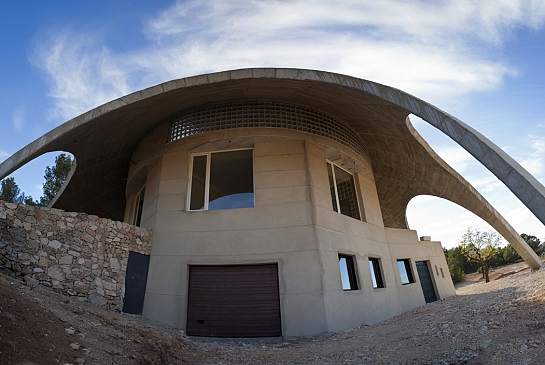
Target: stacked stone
(81, 255)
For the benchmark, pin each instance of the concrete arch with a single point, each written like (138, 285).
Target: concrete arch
(103, 140)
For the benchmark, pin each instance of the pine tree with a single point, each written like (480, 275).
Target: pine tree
(9, 191)
(54, 178)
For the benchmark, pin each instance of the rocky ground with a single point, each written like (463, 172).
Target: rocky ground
(502, 322)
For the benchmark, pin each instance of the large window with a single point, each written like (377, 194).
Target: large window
(222, 180)
(405, 271)
(376, 274)
(343, 191)
(348, 272)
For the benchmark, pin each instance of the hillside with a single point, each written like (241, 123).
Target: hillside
(502, 322)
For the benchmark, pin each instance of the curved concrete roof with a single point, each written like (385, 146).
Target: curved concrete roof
(103, 139)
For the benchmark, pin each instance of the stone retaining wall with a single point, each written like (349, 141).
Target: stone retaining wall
(81, 255)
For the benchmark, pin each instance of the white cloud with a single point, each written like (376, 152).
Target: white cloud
(485, 184)
(18, 117)
(456, 157)
(431, 49)
(82, 73)
(534, 155)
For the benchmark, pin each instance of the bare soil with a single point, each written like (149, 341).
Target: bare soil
(502, 322)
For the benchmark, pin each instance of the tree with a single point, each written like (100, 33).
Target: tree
(509, 255)
(9, 190)
(480, 247)
(54, 178)
(533, 242)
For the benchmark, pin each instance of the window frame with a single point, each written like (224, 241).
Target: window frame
(356, 192)
(352, 271)
(139, 208)
(207, 177)
(376, 273)
(408, 270)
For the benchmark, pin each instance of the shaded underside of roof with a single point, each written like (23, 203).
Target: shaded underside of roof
(404, 166)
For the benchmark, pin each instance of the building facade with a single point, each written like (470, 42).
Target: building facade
(276, 197)
(246, 187)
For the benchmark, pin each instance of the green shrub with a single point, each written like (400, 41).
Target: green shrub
(456, 273)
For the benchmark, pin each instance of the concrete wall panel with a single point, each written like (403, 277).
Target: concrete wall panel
(169, 309)
(303, 314)
(235, 243)
(273, 179)
(275, 196)
(279, 162)
(271, 216)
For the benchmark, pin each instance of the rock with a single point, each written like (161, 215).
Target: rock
(86, 237)
(55, 244)
(74, 346)
(56, 273)
(66, 260)
(43, 262)
(31, 281)
(114, 264)
(70, 331)
(109, 285)
(97, 299)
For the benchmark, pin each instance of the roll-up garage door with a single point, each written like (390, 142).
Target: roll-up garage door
(234, 301)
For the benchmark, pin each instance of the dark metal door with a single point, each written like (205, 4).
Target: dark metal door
(135, 283)
(426, 281)
(234, 301)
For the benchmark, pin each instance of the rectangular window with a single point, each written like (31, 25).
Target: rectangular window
(376, 274)
(222, 180)
(405, 271)
(139, 206)
(348, 272)
(343, 191)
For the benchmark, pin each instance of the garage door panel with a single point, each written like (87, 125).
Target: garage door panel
(234, 301)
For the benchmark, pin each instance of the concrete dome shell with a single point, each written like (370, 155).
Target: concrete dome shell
(103, 140)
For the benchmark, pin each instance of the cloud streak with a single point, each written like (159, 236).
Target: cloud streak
(18, 118)
(432, 50)
(81, 73)
(533, 160)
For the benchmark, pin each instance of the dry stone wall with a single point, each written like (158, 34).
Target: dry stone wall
(81, 255)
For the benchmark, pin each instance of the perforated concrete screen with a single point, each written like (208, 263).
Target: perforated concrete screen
(264, 114)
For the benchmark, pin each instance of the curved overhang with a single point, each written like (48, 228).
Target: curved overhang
(103, 140)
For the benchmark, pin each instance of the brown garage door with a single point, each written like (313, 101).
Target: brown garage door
(234, 301)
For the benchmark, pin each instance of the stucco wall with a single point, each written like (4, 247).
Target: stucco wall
(82, 255)
(339, 234)
(292, 224)
(278, 229)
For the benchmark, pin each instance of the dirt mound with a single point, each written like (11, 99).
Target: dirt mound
(28, 334)
(39, 326)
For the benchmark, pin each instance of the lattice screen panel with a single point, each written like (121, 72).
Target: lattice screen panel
(264, 114)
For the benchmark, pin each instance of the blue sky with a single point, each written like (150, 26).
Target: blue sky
(481, 61)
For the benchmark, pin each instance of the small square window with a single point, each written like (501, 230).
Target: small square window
(405, 271)
(376, 274)
(348, 272)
